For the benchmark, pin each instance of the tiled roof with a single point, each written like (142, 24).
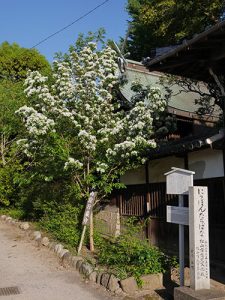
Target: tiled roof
(182, 101)
(187, 144)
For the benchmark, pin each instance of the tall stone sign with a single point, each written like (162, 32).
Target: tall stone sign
(199, 237)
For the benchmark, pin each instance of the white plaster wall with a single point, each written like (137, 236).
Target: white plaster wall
(158, 167)
(136, 176)
(206, 163)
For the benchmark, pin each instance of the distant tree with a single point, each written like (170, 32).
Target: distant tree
(15, 61)
(159, 23)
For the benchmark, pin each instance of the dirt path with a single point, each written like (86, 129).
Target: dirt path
(37, 272)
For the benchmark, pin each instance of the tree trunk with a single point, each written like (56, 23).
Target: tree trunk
(91, 224)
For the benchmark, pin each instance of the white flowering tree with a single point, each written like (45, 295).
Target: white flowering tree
(80, 115)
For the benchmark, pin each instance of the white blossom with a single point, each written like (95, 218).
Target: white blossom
(79, 108)
(73, 163)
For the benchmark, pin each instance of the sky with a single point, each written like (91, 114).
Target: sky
(27, 22)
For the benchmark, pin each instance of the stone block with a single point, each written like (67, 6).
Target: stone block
(186, 293)
(38, 242)
(8, 219)
(74, 260)
(45, 241)
(62, 252)
(66, 259)
(58, 248)
(36, 235)
(152, 281)
(3, 217)
(113, 283)
(105, 279)
(78, 264)
(108, 222)
(99, 277)
(86, 268)
(92, 276)
(52, 245)
(120, 292)
(25, 226)
(129, 285)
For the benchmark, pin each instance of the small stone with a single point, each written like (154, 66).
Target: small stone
(74, 260)
(152, 281)
(66, 259)
(3, 217)
(36, 235)
(99, 277)
(92, 276)
(119, 291)
(8, 219)
(86, 268)
(78, 264)
(25, 226)
(113, 283)
(105, 279)
(52, 245)
(38, 241)
(45, 241)
(129, 285)
(62, 252)
(58, 248)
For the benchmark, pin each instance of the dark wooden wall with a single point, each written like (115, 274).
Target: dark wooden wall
(150, 200)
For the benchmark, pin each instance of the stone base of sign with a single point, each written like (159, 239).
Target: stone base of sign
(186, 293)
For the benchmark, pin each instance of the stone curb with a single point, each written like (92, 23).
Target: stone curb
(67, 259)
(109, 281)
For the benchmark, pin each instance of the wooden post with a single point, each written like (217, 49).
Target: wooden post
(147, 208)
(82, 239)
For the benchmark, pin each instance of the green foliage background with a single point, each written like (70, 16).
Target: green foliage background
(159, 23)
(36, 190)
(128, 255)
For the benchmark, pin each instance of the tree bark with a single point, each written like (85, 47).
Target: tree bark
(91, 224)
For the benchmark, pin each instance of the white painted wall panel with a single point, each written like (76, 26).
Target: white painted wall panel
(136, 176)
(206, 163)
(158, 167)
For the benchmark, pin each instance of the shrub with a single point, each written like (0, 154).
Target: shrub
(15, 213)
(64, 224)
(128, 255)
(8, 182)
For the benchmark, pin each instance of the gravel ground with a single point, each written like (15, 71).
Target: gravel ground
(37, 272)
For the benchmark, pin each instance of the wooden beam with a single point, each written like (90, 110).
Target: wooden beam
(173, 64)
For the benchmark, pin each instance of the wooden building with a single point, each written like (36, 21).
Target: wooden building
(196, 145)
